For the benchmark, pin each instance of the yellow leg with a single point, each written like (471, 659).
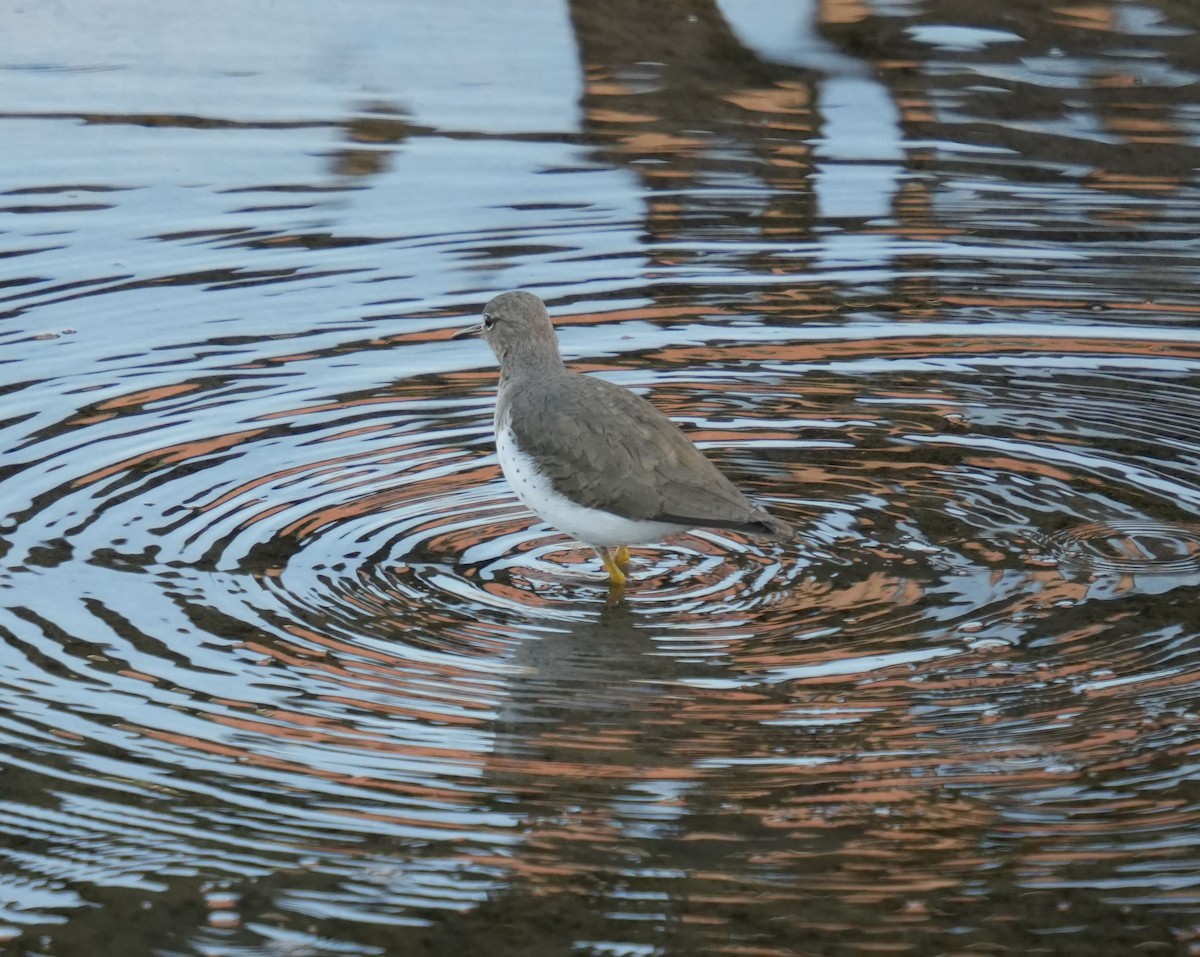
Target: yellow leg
(622, 557)
(616, 575)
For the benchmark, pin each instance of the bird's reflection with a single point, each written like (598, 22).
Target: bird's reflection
(602, 677)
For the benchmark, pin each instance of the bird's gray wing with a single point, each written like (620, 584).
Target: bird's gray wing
(606, 447)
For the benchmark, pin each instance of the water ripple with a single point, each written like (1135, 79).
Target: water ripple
(284, 667)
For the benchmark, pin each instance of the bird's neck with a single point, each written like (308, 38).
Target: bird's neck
(539, 364)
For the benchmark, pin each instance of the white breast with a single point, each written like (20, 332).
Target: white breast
(590, 525)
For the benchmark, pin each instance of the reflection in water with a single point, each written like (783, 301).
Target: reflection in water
(285, 668)
(371, 137)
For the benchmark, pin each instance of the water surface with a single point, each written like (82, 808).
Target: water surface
(285, 667)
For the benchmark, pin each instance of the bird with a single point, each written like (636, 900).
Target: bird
(593, 459)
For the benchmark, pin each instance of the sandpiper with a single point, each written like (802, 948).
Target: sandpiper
(593, 459)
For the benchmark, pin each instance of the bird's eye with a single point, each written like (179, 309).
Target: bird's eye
(488, 321)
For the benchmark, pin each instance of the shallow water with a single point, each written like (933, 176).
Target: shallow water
(286, 669)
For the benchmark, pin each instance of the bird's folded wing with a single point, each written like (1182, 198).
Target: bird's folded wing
(610, 449)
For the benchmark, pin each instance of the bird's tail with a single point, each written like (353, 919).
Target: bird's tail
(776, 528)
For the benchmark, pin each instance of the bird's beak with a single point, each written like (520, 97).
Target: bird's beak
(469, 332)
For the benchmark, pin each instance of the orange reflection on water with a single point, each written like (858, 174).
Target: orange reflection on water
(832, 12)
(1123, 182)
(1096, 16)
(169, 455)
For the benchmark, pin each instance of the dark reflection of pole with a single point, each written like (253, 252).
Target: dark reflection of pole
(672, 95)
(1137, 131)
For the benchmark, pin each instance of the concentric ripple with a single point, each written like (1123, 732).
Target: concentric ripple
(329, 633)
(330, 623)
(286, 669)
(1131, 547)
